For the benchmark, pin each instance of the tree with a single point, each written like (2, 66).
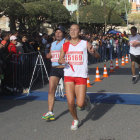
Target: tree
(30, 15)
(114, 5)
(134, 18)
(94, 14)
(40, 12)
(12, 9)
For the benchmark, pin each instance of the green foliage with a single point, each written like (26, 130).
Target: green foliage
(95, 15)
(11, 8)
(32, 13)
(114, 5)
(134, 18)
(56, 12)
(39, 12)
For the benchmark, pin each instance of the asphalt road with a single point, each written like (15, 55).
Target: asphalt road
(21, 119)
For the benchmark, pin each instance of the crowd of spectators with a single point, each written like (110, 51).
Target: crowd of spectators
(109, 46)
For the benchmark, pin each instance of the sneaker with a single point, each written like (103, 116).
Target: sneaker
(80, 108)
(134, 80)
(48, 116)
(74, 125)
(87, 103)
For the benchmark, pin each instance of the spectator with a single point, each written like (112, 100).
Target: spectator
(95, 44)
(27, 48)
(15, 33)
(44, 40)
(5, 38)
(12, 45)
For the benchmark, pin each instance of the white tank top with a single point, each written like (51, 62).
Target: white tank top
(77, 59)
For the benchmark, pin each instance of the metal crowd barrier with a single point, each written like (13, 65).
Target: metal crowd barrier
(109, 53)
(19, 72)
(20, 68)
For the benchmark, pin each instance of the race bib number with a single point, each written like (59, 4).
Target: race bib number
(55, 56)
(74, 58)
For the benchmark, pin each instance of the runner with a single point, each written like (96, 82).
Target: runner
(57, 71)
(74, 56)
(134, 41)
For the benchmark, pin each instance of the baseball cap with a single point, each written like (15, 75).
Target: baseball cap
(61, 28)
(13, 38)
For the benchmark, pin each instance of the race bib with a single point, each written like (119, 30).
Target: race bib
(55, 56)
(75, 58)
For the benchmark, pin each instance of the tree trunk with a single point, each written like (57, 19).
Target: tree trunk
(22, 27)
(12, 24)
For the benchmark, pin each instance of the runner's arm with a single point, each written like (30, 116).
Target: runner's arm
(92, 51)
(136, 43)
(49, 55)
(61, 58)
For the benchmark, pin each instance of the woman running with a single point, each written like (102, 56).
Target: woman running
(75, 57)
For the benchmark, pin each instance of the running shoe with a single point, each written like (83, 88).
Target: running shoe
(87, 103)
(74, 125)
(80, 108)
(48, 116)
(134, 80)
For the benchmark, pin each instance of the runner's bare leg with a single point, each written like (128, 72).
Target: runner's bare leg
(53, 82)
(70, 93)
(80, 91)
(133, 68)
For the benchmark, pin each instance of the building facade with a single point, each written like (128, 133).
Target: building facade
(4, 23)
(135, 6)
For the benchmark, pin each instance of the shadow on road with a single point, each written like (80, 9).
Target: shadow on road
(102, 104)
(63, 113)
(7, 104)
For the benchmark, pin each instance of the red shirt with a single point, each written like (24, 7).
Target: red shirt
(12, 48)
(3, 42)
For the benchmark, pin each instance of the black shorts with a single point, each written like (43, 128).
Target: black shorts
(58, 72)
(135, 58)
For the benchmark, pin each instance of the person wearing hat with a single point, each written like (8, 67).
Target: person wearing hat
(12, 45)
(56, 72)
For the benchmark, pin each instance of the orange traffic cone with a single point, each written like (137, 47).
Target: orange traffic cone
(88, 83)
(97, 79)
(111, 67)
(126, 59)
(105, 74)
(123, 62)
(117, 64)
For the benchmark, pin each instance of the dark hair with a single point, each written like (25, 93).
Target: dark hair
(134, 28)
(4, 34)
(77, 25)
(44, 34)
(14, 32)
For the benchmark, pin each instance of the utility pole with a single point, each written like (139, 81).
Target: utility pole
(77, 13)
(105, 16)
(126, 13)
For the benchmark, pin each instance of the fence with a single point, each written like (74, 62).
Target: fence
(20, 68)
(110, 53)
(19, 72)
